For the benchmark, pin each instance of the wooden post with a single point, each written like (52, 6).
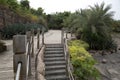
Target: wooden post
(38, 38)
(32, 43)
(0, 36)
(43, 36)
(4, 18)
(66, 34)
(71, 33)
(20, 56)
(28, 33)
(62, 36)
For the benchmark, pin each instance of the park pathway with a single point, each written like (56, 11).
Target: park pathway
(53, 37)
(6, 58)
(6, 62)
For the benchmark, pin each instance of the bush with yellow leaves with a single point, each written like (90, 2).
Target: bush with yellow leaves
(82, 61)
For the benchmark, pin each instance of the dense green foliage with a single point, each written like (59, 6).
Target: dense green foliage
(55, 21)
(82, 61)
(79, 43)
(9, 31)
(116, 25)
(33, 18)
(23, 9)
(93, 26)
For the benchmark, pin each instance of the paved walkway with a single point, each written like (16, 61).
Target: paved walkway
(6, 58)
(6, 62)
(53, 36)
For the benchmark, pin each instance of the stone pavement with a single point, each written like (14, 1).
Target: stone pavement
(6, 62)
(53, 36)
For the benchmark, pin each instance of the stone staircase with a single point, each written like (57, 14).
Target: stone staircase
(55, 64)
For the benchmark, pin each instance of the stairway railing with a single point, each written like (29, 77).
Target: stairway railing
(22, 57)
(38, 51)
(67, 57)
(23, 48)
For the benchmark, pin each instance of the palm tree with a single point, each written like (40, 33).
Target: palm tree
(97, 29)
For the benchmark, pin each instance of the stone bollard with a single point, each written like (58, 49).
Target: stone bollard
(20, 56)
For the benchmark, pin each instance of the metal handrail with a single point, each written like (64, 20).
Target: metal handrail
(67, 57)
(28, 59)
(18, 71)
(28, 52)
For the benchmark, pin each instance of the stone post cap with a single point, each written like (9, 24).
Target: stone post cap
(19, 44)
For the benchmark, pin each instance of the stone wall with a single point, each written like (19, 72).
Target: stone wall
(8, 17)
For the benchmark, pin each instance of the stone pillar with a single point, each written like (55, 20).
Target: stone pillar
(20, 56)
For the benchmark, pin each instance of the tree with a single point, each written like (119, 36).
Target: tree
(55, 21)
(25, 4)
(39, 11)
(13, 4)
(97, 29)
(116, 25)
(3, 2)
(93, 26)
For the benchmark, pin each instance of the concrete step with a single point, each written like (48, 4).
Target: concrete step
(54, 49)
(53, 55)
(55, 67)
(54, 59)
(48, 52)
(57, 77)
(54, 46)
(55, 63)
(55, 72)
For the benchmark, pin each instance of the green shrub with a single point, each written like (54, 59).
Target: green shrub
(99, 41)
(78, 43)
(10, 30)
(82, 62)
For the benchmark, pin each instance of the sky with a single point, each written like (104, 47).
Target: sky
(52, 6)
